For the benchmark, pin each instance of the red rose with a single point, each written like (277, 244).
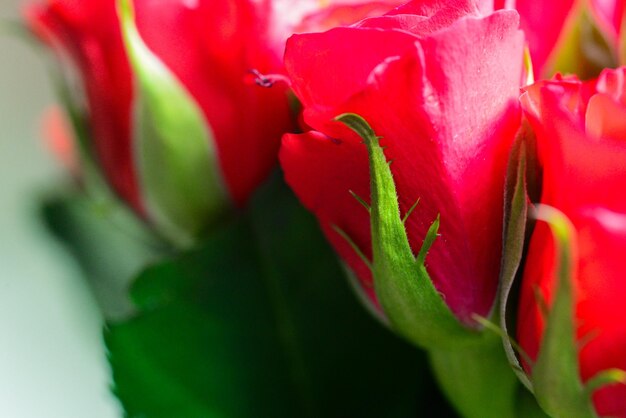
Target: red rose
(439, 83)
(204, 49)
(581, 127)
(209, 45)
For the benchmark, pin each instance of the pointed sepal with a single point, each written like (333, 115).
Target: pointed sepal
(177, 160)
(411, 302)
(516, 229)
(555, 375)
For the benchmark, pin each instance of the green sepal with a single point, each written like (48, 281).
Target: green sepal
(555, 380)
(515, 232)
(409, 299)
(178, 163)
(605, 378)
(555, 376)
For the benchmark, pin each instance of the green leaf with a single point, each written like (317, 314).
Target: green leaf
(178, 163)
(259, 322)
(409, 298)
(555, 377)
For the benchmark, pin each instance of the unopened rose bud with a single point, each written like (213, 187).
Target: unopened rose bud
(441, 95)
(580, 135)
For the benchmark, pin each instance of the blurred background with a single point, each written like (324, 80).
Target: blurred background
(51, 355)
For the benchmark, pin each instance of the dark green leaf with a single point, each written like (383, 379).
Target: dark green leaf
(259, 322)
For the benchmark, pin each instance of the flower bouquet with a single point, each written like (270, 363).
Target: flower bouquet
(347, 208)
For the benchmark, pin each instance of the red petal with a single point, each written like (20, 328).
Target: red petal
(584, 177)
(343, 59)
(211, 46)
(343, 14)
(543, 22)
(430, 8)
(599, 287)
(322, 171)
(448, 134)
(448, 130)
(606, 118)
(90, 34)
(613, 83)
(577, 169)
(609, 14)
(602, 241)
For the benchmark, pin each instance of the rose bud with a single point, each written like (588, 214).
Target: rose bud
(176, 131)
(580, 128)
(438, 83)
(174, 124)
(570, 36)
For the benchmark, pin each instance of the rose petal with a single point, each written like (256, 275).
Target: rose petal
(216, 44)
(323, 172)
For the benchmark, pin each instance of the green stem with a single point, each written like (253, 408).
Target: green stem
(477, 379)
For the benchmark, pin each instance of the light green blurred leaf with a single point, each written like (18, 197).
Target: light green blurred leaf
(108, 242)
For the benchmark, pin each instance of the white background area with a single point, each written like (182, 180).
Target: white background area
(52, 361)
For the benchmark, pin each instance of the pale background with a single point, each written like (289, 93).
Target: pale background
(52, 362)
